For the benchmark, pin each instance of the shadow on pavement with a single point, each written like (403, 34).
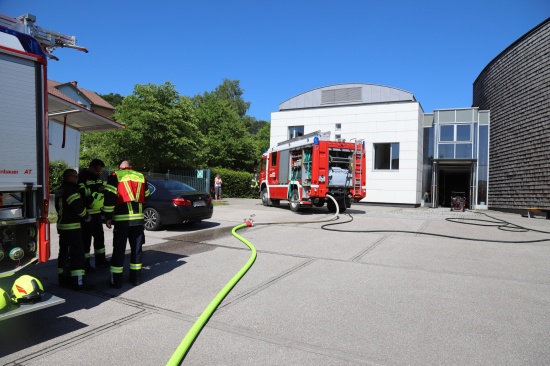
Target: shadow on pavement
(316, 210)
(41, 326)
(190, 227)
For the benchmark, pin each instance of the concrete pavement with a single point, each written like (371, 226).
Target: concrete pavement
(385, 296)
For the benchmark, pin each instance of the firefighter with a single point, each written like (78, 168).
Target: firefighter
(125, 193)
(71, 211)
(254, 187)
(91, 189)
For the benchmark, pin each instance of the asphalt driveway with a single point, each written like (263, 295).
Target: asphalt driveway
(377, 292)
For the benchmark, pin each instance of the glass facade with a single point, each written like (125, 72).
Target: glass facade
(456, 157)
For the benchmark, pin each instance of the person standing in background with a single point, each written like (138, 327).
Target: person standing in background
(218, 187)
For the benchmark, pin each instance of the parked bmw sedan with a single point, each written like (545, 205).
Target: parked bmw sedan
(174, 202)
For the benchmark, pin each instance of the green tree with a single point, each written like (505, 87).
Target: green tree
(227, 142)
(262, 138)
(161, 129)
(57, 167)
(96, 145)
(230, 91)
(114, 99)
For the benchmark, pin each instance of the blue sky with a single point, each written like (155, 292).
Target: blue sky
(279, 49)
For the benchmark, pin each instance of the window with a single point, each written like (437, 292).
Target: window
(455, 141)
(295, 131)
(454, 133)
(338, 126)
(337, 136)
(463, 133)
(274, 158)
(447, 133)
(386, 156)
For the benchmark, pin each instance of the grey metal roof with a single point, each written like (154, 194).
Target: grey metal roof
(346, 94)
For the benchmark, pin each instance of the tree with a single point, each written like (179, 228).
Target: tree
(263, 137)
(227, 142)
(230, 91)
(114, 99)
(161, 131)
(57, 167)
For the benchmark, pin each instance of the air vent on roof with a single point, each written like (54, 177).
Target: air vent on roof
(343, 95)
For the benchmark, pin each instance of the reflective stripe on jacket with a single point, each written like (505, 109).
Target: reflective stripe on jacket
(70, 207)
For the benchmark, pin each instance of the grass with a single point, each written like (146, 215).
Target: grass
(220, 203)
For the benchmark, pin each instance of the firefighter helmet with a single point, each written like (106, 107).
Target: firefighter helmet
(97, 202)
(5, 301)
(27, 289)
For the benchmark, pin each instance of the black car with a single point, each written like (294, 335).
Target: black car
(174, 202)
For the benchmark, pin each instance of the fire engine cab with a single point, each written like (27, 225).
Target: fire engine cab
(306, 169)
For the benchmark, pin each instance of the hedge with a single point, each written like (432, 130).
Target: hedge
(235, 184)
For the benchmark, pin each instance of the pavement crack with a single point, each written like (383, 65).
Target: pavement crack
(361, 254)
(262, 286)
(92, 333)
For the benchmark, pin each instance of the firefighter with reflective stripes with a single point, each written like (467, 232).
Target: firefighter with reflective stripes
(71, 211)
(125, 193)
(91, 189)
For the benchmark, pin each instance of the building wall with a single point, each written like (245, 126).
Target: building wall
(71, 152)
(375, 123)
(515, 87)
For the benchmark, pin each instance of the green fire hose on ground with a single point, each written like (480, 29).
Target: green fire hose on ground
(181, 351)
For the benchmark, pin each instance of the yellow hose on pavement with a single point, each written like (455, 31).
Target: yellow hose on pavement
(183, 348)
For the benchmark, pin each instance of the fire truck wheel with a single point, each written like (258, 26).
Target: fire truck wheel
(331, 206)
(265, 199)
(342, 206)
(295, 201)
(319, 202)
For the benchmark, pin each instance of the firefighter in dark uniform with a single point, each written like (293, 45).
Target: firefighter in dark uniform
(91, 189)
(71, 211)
(125, 193)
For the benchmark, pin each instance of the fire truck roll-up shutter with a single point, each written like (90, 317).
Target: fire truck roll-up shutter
(18, 95)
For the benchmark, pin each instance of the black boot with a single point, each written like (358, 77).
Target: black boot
(78, 283)
(63, 280)
(100, 260)
(116, 280)
(135, 277)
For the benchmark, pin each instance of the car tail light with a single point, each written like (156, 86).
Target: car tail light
(209, 199)
(180, 201)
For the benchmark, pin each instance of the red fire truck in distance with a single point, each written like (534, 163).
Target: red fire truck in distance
(306, 169)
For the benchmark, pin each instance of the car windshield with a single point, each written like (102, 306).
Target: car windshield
(174, 186)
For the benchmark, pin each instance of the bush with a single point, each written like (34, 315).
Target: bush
(57, 168)
(235, 184)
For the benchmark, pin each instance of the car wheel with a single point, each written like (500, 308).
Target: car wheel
(265, 199)
(295, 201)
(151, 218)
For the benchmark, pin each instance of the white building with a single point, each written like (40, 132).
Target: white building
(389, 120)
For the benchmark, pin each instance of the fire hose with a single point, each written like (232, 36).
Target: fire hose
(181, 351)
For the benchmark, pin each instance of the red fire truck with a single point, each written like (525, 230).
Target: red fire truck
(306, 169)
(24, 164)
